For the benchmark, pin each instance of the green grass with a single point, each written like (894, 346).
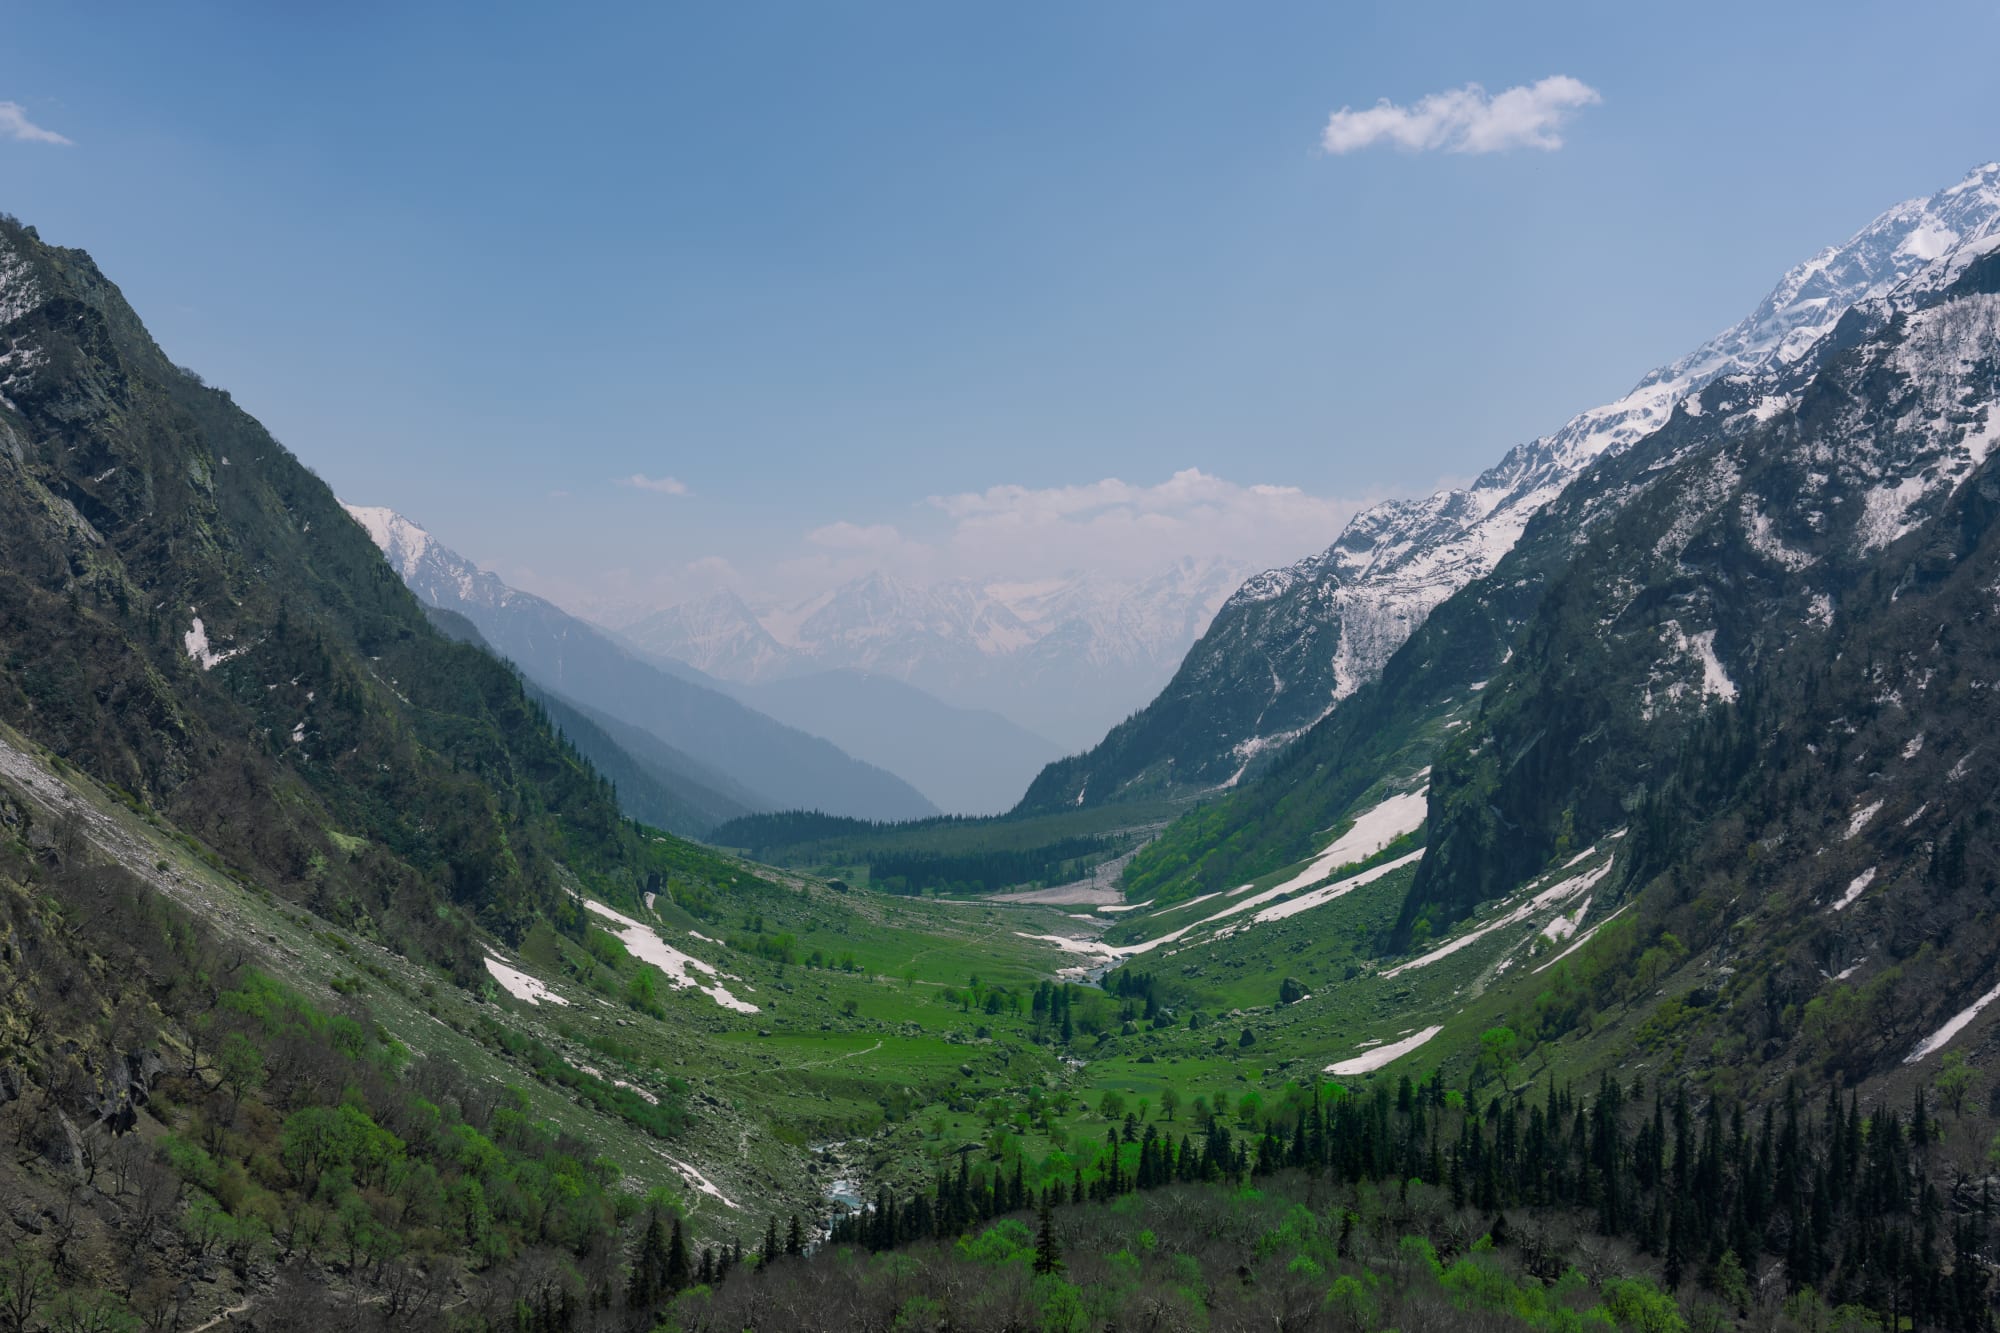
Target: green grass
(880, 1049)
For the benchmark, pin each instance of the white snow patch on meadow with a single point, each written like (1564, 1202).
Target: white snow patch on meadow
(1581, 940)
(1373, 830)
(1565, 926)
(1382, 1055)
(1327, 893)
(519, 984)
(645, 944)
(700, 1182)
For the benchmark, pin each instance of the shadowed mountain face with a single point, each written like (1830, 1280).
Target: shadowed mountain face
(656, 784)
(774, 766)
(188, 614)
(1293, 644)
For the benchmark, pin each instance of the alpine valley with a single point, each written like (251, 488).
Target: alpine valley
(1570, 903)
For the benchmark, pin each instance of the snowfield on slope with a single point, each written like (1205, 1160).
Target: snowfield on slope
(1563, 892)
(1319, 897)
(1370, 1061)
(646, 945)
(1374, 829)
(1957, 1024)
(519, 984)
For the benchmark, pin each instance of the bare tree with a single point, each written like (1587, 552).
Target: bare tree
(26, 1283)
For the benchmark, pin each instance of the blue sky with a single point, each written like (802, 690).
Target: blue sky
(821, 263)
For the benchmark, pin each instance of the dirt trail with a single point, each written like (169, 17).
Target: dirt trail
(222, 1318)
(810, 1064)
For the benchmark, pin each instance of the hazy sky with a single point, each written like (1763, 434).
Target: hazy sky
(628, 301)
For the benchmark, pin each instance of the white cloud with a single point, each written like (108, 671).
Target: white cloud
(1116, 526)
(1464, 120)
(639, 481)
(1008, 533)
(845, 536)
(713, 567)
(14, 124)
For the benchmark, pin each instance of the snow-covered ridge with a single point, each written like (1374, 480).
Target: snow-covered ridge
(434, 571)
(403, 542)
(19, 292)
(888, 625)
(1396, 562)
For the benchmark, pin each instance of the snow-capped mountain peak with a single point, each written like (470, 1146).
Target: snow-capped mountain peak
(433, 571)
(1293, 642)
(1065, 655)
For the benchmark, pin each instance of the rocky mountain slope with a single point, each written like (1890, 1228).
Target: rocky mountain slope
(1699, 777)
(1292, 644)
(771, 766)
(1779, 614)
(187, 614)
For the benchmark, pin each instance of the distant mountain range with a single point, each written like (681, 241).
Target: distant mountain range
(1064, 657)
(841, 741)
(698, 732)
(1295, 642)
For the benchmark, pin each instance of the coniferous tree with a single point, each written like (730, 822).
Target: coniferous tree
(1048, 1253)
(678, 1275)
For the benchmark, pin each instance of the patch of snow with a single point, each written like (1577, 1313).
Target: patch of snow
(198, 651)
(1569, 888)
(519, 984)
(700, 1182)
(1766, 543)
(1914, 747)
(1860, 818)
(1581, 940)
(1565, 926)
(1321, 896)
(1957, 1024)
(1382, 1055)
(1373, 830)
(1715, 681)
(645, 944)
(1855, 887)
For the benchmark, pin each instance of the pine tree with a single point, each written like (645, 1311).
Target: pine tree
(648, 1281)
(795, 1238)
(1048, 1254)
(678, 1275)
